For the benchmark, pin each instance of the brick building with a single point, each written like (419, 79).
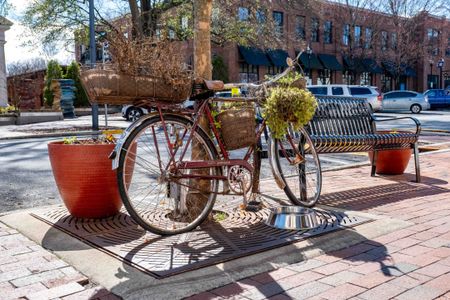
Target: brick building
(362, 50)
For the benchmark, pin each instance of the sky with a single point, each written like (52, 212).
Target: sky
(15, 37)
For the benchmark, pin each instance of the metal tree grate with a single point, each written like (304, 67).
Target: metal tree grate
(241, 233)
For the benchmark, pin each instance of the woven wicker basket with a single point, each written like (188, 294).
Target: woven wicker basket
(238, 127)
(112, 87)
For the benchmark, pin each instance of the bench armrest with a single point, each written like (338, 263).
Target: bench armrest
(418, 127)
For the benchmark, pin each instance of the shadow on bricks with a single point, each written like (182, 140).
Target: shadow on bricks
(371, 197)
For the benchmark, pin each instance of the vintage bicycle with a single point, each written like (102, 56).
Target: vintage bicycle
(170, 170)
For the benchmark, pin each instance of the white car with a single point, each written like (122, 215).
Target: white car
(132, 113)
(357, 91)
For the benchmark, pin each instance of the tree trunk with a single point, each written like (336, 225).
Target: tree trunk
(135, 19)
(202, 69)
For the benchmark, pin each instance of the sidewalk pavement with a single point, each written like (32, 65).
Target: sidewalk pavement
(408, 263)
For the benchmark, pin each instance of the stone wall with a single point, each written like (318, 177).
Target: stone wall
(28, 88)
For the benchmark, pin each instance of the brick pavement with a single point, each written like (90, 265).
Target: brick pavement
(28, 271)
(411, 263)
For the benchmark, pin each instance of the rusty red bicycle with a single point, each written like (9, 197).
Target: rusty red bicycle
(170, 170)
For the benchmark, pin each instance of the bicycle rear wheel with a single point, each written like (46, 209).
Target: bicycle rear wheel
(299, 166)
(161, 198)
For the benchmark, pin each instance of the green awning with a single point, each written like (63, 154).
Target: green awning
(278, 57)
(354, 64)
(254, 56)
(371, 66)
(310, 61)
(390, 67)
(330, 62)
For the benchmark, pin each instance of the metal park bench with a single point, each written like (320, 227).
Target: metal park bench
(343, 124)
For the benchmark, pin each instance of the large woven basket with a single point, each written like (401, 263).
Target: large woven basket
(238, 127)
(111, 87)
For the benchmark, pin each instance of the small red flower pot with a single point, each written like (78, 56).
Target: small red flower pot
(85, 180)
(391, 162)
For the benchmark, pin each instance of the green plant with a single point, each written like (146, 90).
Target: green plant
(73, 72)
(54, 71)
(8, 109)
(288, 104)
(107, 137)
(220, 70)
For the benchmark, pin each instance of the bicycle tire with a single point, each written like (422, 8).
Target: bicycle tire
(142, 218)
(309, 173)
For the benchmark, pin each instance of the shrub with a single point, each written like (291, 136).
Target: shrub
(54, 71)
(220, 70)
(73, 72)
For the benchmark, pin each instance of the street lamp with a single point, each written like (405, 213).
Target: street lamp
(440, 65)
(431, 73)
(93, 58)
(309, 52)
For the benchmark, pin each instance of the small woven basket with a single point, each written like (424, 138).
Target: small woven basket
(105, 86)
(237, 127)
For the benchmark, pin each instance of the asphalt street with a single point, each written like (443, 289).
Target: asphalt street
(26, 179)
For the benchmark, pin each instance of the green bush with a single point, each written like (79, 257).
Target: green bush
(220, 70)
(54, 71)
(73, 72)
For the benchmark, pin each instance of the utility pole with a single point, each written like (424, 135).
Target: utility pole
(93, 58)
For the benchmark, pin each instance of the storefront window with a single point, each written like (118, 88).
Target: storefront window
(324, 77)
(248, 73)
(366, 78)
(273, 70)
(386, 83)
(348, 77)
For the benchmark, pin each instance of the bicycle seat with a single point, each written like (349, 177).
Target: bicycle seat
(214, 85)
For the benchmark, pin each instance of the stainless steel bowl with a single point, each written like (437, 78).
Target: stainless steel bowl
(293, 218)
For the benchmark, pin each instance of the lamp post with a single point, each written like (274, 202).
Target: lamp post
(440, 65)
(309, 52)
(93, 58)
(431, 73)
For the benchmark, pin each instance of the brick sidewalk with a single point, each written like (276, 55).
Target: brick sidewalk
(412, 263)
(29, 271)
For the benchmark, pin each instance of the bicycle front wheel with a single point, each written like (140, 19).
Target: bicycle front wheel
(299, 167)
(160, 197)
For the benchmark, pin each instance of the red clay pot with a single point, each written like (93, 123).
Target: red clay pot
(392, 162)
(85, 180)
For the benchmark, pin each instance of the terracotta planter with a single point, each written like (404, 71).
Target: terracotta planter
(392, 162)
(85, 180)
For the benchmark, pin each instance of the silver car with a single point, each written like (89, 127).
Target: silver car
(405, 100)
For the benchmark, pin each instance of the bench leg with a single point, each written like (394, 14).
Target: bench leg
(374, 163)
(416, 160)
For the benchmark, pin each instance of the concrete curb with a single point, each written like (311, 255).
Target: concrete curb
(49, 135)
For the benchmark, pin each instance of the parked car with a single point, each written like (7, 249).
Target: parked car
(438, 98)
(368, 92)
(132, 113)
(405, 100)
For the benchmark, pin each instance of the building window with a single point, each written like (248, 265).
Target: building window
(365, 78)
(248, 73)
(278, 20)
(394, 41)
(300, 27)
(432, 81)
(324, 77)
(447, 52)
(314, 30)
(432, 34)
(384, 40)
(260, 16)
(386, 83)
(346, 35)
(368, 38)
(243, 14)
(328, 32)
(348, 77)
(273, 70)
(357, 36)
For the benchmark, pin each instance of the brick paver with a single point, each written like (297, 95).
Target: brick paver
(410, 263)
(28, 271)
